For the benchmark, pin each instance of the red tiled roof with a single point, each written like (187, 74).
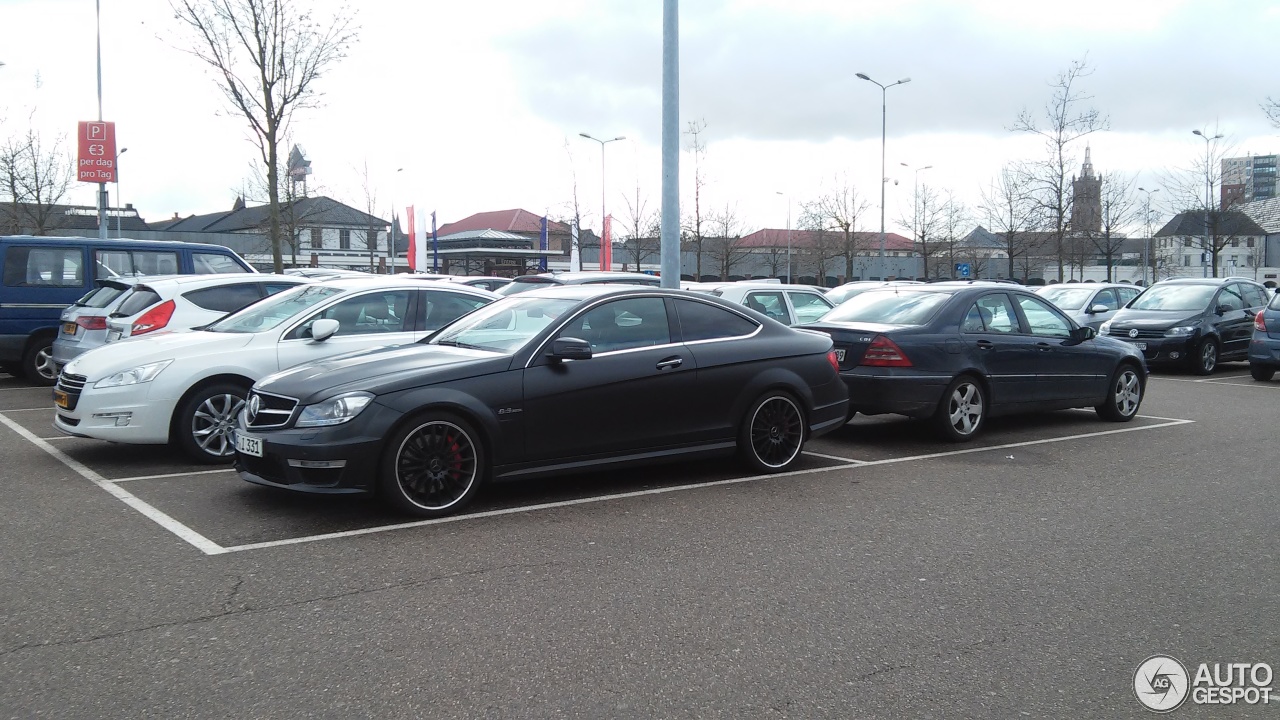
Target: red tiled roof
(514, 221)
(771, 237)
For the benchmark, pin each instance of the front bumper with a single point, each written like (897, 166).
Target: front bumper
(121, 414)
(356, 445)
(1164, 350)
(877, 391)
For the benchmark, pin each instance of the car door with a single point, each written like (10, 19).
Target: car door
(630, 396)
(1067, 369)
(1234, 326)
(995, 341)
(807, 306)
(366, 320)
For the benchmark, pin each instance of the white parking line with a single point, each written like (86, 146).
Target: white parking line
(46, 409)
(834, 457)
(176, 474)
(1222, 381)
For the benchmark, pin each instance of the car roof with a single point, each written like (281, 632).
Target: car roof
(581, 276)
(1091, 286)
(1202, 281)
(396, 282)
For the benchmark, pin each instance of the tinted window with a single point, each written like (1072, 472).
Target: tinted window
(1106, 298)
(622, 324)
(1044, 320)
(991, 313)
(1254, 296)
(43, 267)
(103, 297)
(213, 264)
(377, 312)
(137, 262)
(891, 307)
(142, 298)
(227, 298)
(808, 306)
(1230, 299)
(1127, 294)
(768, 303)
(442, 308)
(701, 321)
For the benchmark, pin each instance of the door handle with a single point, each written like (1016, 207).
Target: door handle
(1044, 346)
(670, 363)
(986, 345)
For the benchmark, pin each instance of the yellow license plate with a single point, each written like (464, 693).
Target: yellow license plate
(60, 399)
(69, 328)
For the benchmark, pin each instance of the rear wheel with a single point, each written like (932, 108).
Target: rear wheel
(37, 362)
(1206, 357)
(207, 420)
(963, 410)
(1124, 395)
(433, 465)
(772, 433)
(1262, 373)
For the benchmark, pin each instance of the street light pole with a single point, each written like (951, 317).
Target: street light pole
(1146, 246)
(119, 210)
(603, 253)
(788, 197)
(884, 114)
(1208, 193)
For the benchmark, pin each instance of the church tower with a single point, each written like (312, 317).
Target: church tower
(1086, 202)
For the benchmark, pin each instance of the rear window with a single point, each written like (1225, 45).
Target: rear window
(142, 298)
(889, 307)
(227, 298)
(102, 297)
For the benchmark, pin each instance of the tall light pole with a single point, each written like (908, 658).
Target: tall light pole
(1146, 246)
(1208, 193)
(119, 210)
(788, 197)
(603, 252)
(884, 113)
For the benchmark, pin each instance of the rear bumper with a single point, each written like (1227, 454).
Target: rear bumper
(1264, 351)
(830, 408)
(882, 390)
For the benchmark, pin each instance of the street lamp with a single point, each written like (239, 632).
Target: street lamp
(120, 210)
(604, 253)
(884, 92)
(1207, 197)
(1146, 246)
(788, 197)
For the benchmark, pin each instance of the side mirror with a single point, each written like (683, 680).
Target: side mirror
(570, 348)
(1221, 309)
(323, 329)
(1097, 308)
(1081, 334)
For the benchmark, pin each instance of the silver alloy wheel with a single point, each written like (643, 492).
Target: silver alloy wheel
(1208, 356)
(436, 465)
(44, 364)
(213, 423)
(1127, 393)
(964, 408)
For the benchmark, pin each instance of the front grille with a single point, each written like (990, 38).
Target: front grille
(1142, 334)
(267, 468)
(273, 410)
(70, 384)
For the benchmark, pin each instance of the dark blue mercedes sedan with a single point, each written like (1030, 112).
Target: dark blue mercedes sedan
(959, 353)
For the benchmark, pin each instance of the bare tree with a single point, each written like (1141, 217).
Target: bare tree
(370, 209)
(953, 220)
(724, 247)
(820, 246)
(571, 211)
(1120, 209)
(34, 179)
(693, 224)
(927, 219)
(296, 214)
(1191, 187)
(267, 56)
(1064, 122)
(643, 228)
(1011, 208)
(839, 212)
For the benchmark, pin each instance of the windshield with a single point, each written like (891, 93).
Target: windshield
(275, 310)
(505, 326)
(1067, 298)
(1182, 298)
(889, 307)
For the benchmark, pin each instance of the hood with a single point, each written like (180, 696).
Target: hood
(382, 370)
(1128, 319)
(132, 352)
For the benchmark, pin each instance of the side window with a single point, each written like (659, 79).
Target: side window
(622, 324)
(138, 262)
(274, 287)
(703, 321)
(370, 313)
(442, 308)
(1230, 298)
(1105, 297)
(227, 298)
(995, 314)
(768, 303)
(1045, 321)
(1254, 296)
(43, 267)
(214, 264)
(1127, 294)
(808, 306)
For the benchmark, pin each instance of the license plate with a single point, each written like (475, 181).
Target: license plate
(249, 445)
(1140, 345)
(68, 328)
(60, 399)
(114, 335)
(840, 355)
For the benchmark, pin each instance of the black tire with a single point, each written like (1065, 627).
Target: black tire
(1262, 373)
(962, 411)
(772, 433)
(1124, 395)
(37, 362)
(433, 465)
(1205, 359)
(206, 420)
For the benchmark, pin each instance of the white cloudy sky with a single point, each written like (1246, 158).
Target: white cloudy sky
(481, 102)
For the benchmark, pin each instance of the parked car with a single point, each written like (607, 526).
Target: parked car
(555, 380)
(1089, 304)
(1198, 322)
(959, 353)
(484, 282)
(324, 272)
(1264, 346)
(84, 324)
(788, 304)
(187, 387)
(42, 276)
(525, 283)
(843, 292)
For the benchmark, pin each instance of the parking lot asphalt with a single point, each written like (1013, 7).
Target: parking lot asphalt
(893, 575)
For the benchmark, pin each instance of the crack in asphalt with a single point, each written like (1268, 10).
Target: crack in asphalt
(246, 610)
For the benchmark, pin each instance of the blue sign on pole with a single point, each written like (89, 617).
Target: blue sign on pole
(963, 270)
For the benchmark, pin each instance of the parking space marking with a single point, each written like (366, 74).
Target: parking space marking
(170, 475)
(28, 409)
(834, 457)
(1222, 381)
(201, 543)
(55, 437)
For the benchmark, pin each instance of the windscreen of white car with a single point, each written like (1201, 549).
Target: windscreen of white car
(889, 307)
(275, 310)
(1068, 298)
(1182, 298)
(504, 326)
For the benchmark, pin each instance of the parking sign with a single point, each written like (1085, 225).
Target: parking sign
(96, 160)
(963, 270)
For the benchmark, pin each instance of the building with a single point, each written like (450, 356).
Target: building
(1248, 179)
(67, 220)
(1181, 249)
(1086, 199)
(817, 257)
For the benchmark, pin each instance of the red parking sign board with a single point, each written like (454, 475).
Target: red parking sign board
(97, 157)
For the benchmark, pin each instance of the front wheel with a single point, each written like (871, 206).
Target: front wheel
(1206, 357)
(433, 465)
(207, 420)
(772, 433)
(1262, 373)
(1124, 396)
(963, 410)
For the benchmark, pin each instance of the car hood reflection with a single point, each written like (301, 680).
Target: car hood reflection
(382, 370)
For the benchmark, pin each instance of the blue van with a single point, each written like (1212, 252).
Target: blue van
(41, 276)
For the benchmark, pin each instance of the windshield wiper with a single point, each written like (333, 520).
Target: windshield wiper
(458, 344)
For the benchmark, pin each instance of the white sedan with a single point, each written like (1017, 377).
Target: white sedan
(188, 387)
(788, 304)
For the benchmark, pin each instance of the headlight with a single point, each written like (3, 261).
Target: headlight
(1105, 329)
(1180, 331)
(133, 376)
(334, 411)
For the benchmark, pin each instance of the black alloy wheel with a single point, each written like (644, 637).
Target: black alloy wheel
(772, 433)
(962, 411)
(1205, 358)
(433, 465)
(1124, 395)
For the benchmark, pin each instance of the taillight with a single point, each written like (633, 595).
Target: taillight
(92, 322)
(154, 319)
(835, 361)
(1258, 323)
(883, 352)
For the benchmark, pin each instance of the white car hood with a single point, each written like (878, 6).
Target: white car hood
(132, 352)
